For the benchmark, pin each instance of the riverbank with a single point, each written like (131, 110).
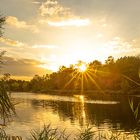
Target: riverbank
(94, 94)
(91, 92)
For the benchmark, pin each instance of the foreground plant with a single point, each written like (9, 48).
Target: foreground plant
(48, 133)
(86, 134)
(6, 106)
(3, 134)
(135, 110)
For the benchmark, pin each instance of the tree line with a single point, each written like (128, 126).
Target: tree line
(122, 74)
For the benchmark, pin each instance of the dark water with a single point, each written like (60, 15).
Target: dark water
(72, 113)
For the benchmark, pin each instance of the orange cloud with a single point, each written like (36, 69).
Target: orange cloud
(11, 42)
(13, 21)
(24, 68)
(45, 46)
(57, 15)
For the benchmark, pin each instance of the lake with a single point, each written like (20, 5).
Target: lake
(70, 112)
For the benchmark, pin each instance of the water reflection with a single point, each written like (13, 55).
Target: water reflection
(73, 109)
(115, 114)
(70, 112)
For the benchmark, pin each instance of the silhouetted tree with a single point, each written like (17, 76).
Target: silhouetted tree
(110, 60)
(122, 74)
(2, 21)
(129, 68)
(6, 106)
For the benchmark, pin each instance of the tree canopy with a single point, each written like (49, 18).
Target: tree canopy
(122, 74)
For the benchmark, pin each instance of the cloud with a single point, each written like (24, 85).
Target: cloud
(36, 2)
(118, 46)
(11, 42)
(53, 8)
(13, 21)
(70, 22)
(52, 62)
(57, 15)
(45, 46)
(23, 67)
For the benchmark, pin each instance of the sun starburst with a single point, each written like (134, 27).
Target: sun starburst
(82, 68)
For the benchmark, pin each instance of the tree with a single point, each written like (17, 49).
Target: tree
(129, 68)
(6, 76)
(110, 60)
(125, 85)
(6, 106)
(2, 21)
(95, 65)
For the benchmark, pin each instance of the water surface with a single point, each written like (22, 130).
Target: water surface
(70, 112)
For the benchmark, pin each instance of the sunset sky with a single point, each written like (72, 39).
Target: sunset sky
(41, 35)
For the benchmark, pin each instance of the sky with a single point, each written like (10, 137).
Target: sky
(41, 35)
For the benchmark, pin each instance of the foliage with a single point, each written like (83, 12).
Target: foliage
(122, 74)
(48, 133)
(5, 136)
(135, 109)
(6, 106)
(86, 134)
(2, 134)
(2, 21)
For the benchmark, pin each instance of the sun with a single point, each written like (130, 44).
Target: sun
(82, 68)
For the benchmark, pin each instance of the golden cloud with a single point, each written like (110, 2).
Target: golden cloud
(11, 42)
(57, 15)
(45, 46)
(117, 45)
(36, 2)
(13, 21)
(23, 67)
(70, 22)
(53, 8)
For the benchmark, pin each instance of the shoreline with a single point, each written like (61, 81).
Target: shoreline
(91, 93)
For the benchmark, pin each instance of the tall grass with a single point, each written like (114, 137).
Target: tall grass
(3, 134)
(6, 107)
(134, 109)
(49, 133)
(86, 134)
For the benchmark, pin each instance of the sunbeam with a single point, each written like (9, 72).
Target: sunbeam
(82, 83)
(94, 82)
(70, 81)
(128, 78)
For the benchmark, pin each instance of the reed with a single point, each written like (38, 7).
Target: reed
(6, 106)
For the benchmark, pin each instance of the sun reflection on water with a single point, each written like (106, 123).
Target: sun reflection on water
(80, 107)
